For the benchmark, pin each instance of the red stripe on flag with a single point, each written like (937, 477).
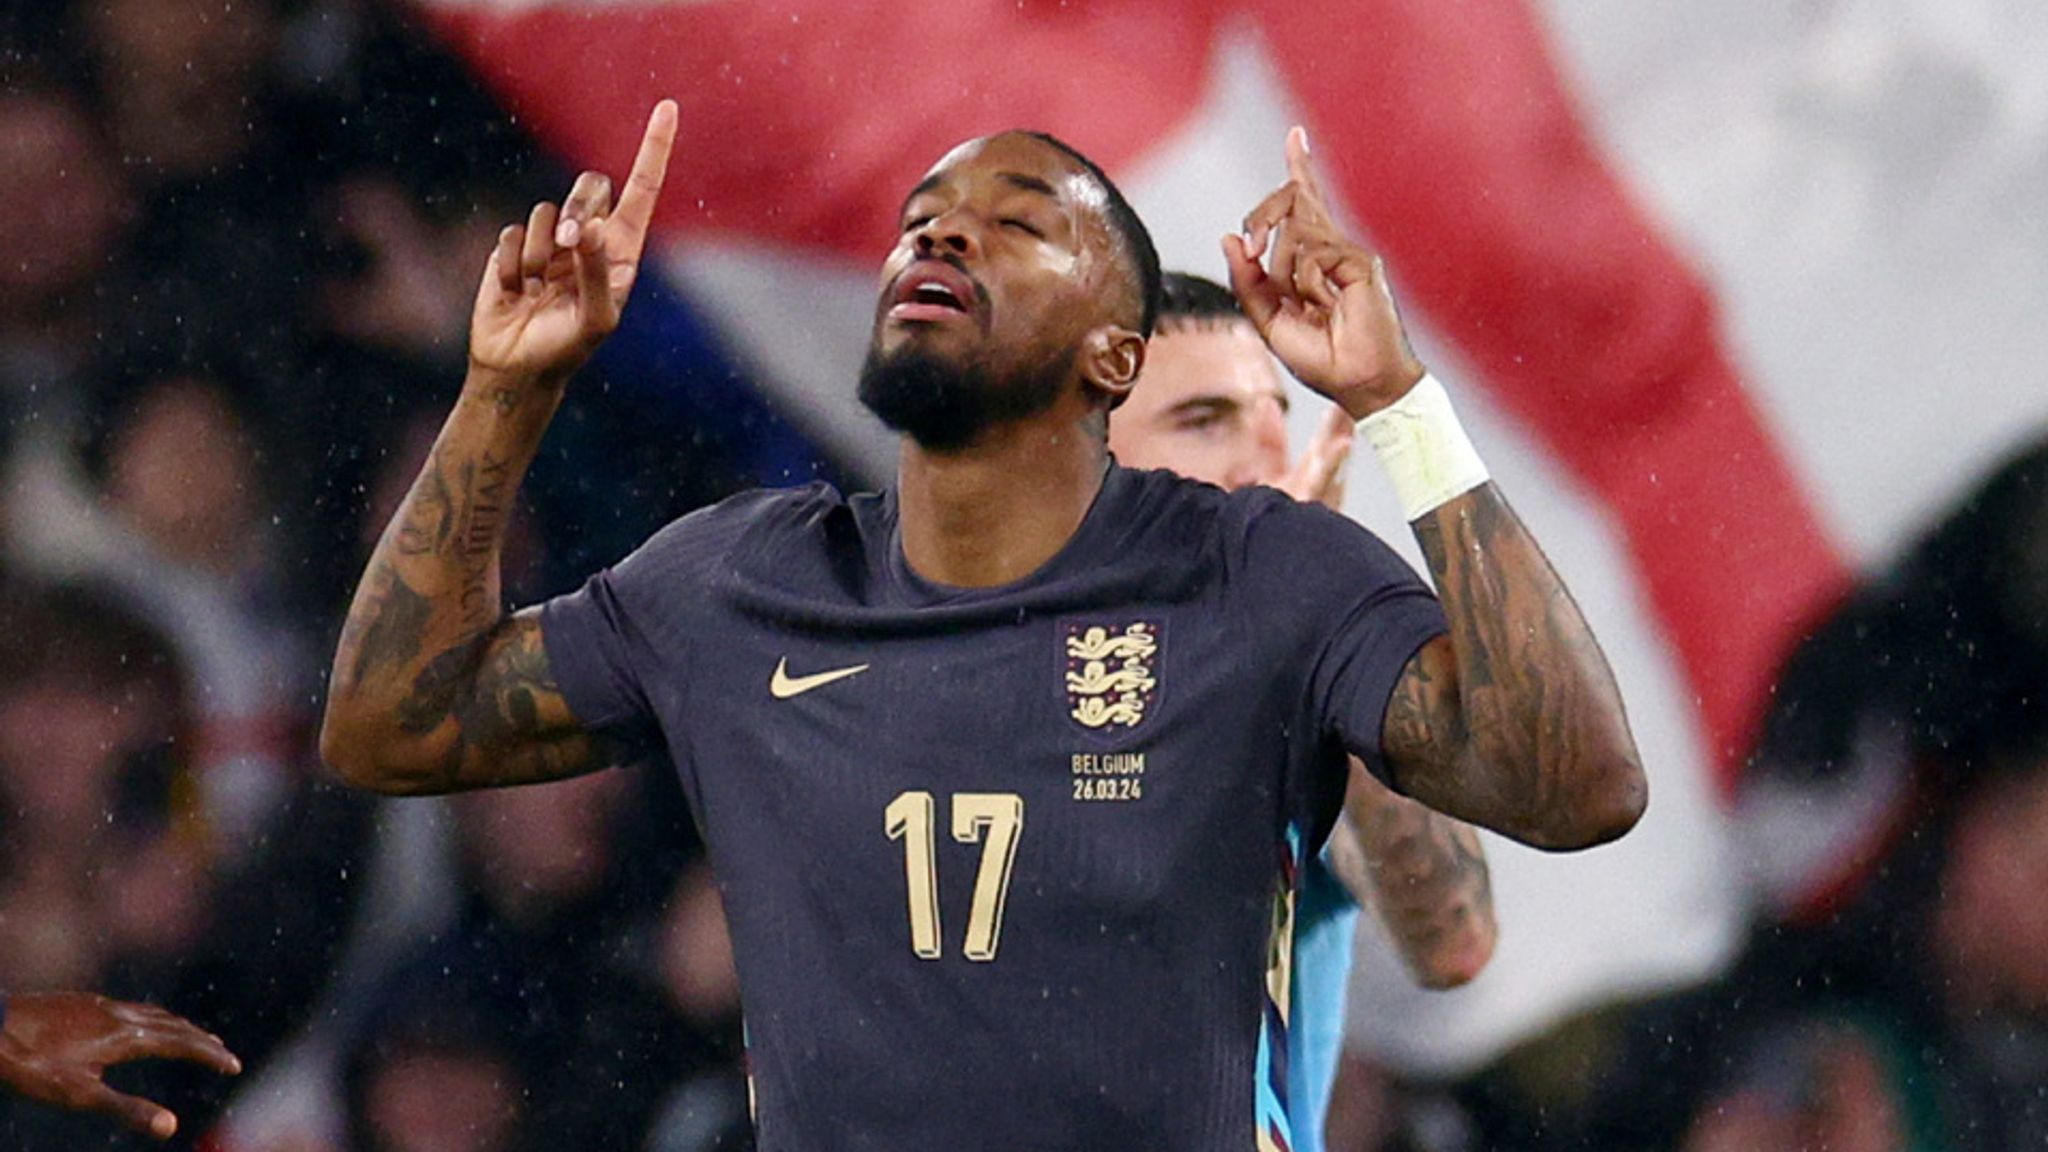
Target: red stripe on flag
(805, 123)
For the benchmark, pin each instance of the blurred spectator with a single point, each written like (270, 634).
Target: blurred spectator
(1929, 674)
(413, 277)
(186, 91)
(1916, 1018)
(62, 213)
(179, 80)
(66, 204)
(100, 881)
(571, 974)
(1828, 1083)
(696, 952)
(182, 478)
(91, 708)
(437, 1073)
(1905, 735)
(180, 471)
(711, 1109)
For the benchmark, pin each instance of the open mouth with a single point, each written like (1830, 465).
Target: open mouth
(932, 291)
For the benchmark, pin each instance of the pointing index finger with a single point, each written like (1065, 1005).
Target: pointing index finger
(636, 204)
(1303, 174)
(1297, 157)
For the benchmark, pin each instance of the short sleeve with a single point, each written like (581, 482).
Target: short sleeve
(1355, 605)
(592, 652)
(619, 645)
(1362, 662)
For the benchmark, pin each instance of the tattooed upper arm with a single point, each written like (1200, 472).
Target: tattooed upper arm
(488, 712)
(1427, 742)
(1424, 734)
(1439, 750)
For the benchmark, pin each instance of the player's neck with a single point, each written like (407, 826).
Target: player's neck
(995, 512)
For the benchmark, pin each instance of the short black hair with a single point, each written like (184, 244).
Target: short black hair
(1186, 296)
(1131, 232)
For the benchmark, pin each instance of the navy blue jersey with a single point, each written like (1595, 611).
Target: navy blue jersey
(1008, 867)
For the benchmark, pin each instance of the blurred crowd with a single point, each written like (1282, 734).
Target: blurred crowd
(240, 242)
(243, 238)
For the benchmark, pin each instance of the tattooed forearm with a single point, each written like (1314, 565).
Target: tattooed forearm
(1516, 723)
(1426, 875)
(434, 689)
(429, 518)
(486, 492)
(390, 632)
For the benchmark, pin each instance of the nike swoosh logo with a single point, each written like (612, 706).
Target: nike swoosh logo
(782, 685)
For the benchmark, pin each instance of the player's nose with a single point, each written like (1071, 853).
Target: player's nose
(950, 232)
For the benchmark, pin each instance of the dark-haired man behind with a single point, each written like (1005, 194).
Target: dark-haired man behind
(1008, 772)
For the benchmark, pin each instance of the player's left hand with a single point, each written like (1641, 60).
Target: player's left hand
(1318, 298)
(58, 1045)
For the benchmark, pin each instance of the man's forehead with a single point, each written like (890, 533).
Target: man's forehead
(1023, 160)
(1210, 355)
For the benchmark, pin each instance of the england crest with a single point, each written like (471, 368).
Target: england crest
(1111, 673)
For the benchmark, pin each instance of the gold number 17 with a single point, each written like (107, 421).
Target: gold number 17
(992, 819)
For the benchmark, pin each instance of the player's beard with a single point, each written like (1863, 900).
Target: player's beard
(946, 406)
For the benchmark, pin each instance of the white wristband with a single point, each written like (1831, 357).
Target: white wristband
(1424, 449)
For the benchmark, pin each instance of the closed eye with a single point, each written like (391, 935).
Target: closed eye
(916, 222)
(1024, 225)
(1203, 415)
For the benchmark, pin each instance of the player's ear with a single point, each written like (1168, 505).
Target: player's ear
(1111, 357)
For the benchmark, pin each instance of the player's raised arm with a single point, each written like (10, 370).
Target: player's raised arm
(1514, 720)
(434, 688)
(1422, 873)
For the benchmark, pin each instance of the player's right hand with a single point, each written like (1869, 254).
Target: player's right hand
(554, 287)
(1320, 299)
